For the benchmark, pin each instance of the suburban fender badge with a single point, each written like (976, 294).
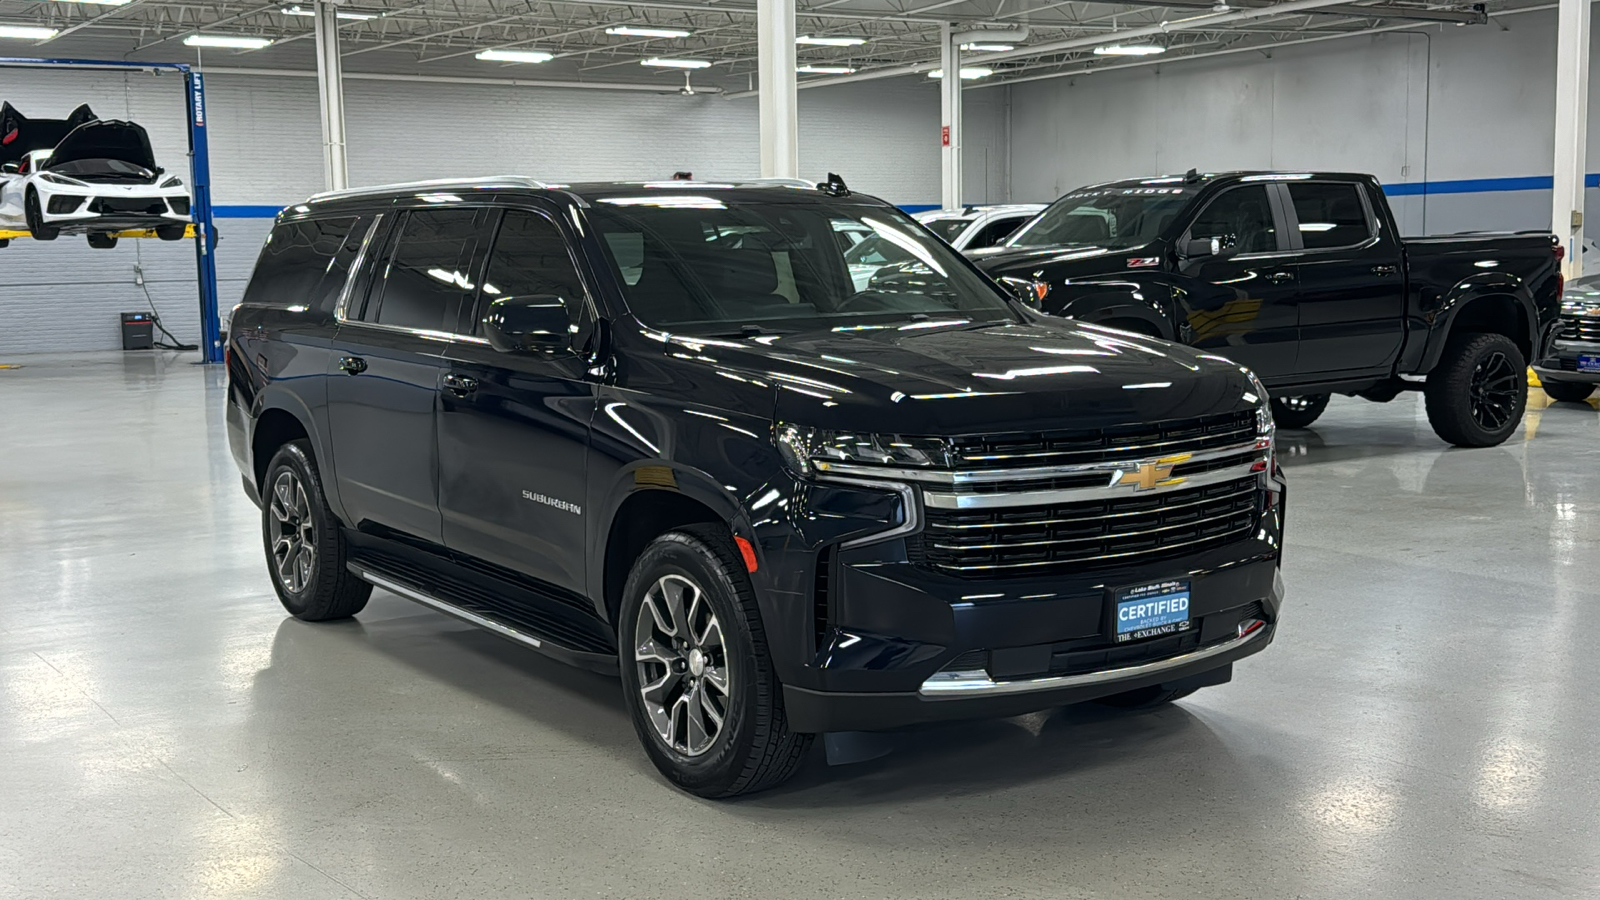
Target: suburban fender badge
(562, 505)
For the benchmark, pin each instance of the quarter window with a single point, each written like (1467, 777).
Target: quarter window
(530, 259)
(305, 263)
(1331, 214)
(1242, 217)
(427, 277)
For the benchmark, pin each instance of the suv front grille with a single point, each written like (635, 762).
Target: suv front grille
(1580, 328)
(1111, 444)
(1069, 537)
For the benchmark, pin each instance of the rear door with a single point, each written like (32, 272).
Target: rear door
(387, 365)
(1242, 306)
(514, 427)
(1352, 287)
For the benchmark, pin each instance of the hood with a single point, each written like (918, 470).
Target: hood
(20, 135)
(1077, 259)
(106, 139)
(947, 378)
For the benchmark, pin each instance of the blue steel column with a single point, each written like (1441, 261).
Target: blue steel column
(205, 242)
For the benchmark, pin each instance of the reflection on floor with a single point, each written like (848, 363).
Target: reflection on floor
(1423, 727)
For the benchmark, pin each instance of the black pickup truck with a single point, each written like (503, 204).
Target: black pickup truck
(1302, 277)
(661, 431)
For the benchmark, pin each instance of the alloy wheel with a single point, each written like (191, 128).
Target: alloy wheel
(1493, 391)
(292, 532)
(682, 660)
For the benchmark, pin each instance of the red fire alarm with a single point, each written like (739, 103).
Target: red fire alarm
(944, 136)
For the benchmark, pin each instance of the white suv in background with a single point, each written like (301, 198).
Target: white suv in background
(976, 227)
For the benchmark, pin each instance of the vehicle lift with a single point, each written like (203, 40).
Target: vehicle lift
(203, 228)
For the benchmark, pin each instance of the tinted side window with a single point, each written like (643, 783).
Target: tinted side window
(530, 258)
(1330, 214)
(425, 280)
(995, 232)
(1242, 215)
(304, 263)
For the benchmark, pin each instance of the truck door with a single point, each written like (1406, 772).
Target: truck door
(1352, 287)
(1241, 304)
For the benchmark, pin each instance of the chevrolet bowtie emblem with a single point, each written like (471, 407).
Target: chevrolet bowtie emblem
(1151, 475)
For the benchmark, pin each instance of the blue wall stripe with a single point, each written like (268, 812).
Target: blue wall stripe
(245, 212)
(1481, 185)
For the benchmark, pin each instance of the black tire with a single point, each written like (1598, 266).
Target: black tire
(1477, 393)
(752, 748)
(102, 241)
(36, 226)
(1298, 412)
(319, 587)
(172, 232)
(4, 243)
(1566, 391)
(1145, 697)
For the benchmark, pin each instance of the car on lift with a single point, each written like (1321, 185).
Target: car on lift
(657, 430)
(1302, 277)
(1570, 367)
(977, 227)
(100, 180)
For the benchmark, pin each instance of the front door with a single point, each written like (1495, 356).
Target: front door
(1241, 304)
(514, 427)
(387, 365)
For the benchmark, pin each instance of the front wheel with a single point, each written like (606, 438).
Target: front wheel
(102, 241)
(696, 672)
(172, 232)
(306, 551)
(1566, 391)
(1475, 396)
(1298, 412)
(35, 216)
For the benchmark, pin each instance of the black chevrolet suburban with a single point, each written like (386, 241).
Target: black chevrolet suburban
(1304, 278)
(658, 430)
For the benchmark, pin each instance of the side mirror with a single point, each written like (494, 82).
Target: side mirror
(1218, 247)
(10, 168)
(537, 323)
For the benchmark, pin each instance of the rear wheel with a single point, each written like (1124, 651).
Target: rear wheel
(696, 672)
(1146, 697)
(172, 232)
(306, 551)
(4, 243)
(1298, 412)
(1566, 391)
(102, 241)
(1478, 391)
(35, 216)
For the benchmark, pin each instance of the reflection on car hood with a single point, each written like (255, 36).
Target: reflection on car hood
(106, 139)
(948, 377)
(1008, 259)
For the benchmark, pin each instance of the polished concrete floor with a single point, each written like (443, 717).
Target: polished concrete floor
(1425, 726)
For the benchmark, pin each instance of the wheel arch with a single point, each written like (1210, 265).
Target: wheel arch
(1490, 309)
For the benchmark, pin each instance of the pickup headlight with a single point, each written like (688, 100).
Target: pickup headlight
(811, 451)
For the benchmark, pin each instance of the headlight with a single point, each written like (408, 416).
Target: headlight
(172, 182)
(812, 451)
(53, 178)
(1266, 429)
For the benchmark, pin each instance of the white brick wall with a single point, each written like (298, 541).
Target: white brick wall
(882, 136)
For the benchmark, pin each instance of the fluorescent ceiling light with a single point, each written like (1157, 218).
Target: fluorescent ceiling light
(675, 63)
(824, 70)
(515, 56)
(830, 41)
(27, 32)
(968, 73)
(351, 14)
(1129, 50)
(639, 31)
(988, 48)
(237, 42)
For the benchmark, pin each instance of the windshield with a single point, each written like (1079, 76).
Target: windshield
(104, 170)
(1105, 217)
(949, 229)
(701, 265)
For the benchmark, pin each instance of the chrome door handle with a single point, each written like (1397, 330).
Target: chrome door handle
(352, 365)
(460, 385)
(1280, 277)
(1383, 270)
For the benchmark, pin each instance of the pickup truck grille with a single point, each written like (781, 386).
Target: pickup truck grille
(1580, 328)
(1129, 442)
(1069, 537)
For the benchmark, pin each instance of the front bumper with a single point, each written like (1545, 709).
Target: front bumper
(1560, 362)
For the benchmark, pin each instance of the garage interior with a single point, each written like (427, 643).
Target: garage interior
(1421, 727)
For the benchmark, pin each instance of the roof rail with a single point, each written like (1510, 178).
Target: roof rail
(521, 181)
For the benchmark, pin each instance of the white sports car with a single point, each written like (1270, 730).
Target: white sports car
(101, 179)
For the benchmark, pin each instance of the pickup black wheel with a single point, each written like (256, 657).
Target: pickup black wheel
(1476, 394)
(1145, 697)
(102, 241)
(696, 673)
(306, 551)
(35, 217)
(1566, 391)
(1298, 412)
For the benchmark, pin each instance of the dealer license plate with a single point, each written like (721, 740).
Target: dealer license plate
(1588, 362)
(1151, 610)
